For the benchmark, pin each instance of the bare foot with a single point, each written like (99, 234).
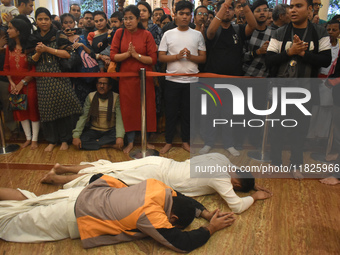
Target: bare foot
(128, 148)
(330, 181)
(166, 148)
(28, 142)
(186, 146)
(150, 146)
(116, 146)
(48, 178)
(332, 157)
(52, 178)
(233, 151)
(298, 175)
(50, 147)
(64, 146)
(34, 145)
(59, 169)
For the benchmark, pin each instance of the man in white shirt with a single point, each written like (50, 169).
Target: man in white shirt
(182, 48)
(175, 174)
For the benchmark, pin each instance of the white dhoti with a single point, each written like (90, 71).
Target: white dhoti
(131, 172)
(48, 217)
(173, 173)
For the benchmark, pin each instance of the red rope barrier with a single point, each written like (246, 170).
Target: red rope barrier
(119, 74)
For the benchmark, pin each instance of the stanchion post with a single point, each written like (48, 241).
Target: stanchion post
(142, 75)
(262, 155)
(136, 154)
(9, 148)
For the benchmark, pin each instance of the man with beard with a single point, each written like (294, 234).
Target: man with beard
(225, 41)
(257, 44)
(102, 112)
(254, 65)
(239, 13)
(200, 18)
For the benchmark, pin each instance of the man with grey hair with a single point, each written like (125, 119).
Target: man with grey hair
(280, 16)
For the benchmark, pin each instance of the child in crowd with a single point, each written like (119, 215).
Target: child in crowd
(116, 20)
(7, 10)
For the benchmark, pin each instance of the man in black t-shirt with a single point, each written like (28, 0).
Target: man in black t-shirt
(225, 41)
(225, 49)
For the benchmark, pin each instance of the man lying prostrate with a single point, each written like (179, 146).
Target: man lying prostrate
(104, 213)
(172, 173)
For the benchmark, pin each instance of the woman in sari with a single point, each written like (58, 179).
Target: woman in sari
(135, 49)
(82, 86)
(101, 38)
(145, 18)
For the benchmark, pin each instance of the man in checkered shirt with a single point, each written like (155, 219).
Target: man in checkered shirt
(257, 44)
(254, 64)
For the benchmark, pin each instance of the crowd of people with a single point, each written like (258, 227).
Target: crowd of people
(229, 38)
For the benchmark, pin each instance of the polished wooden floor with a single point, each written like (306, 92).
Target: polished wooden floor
(301, 218)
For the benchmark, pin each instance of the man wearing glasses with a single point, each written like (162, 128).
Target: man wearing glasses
(316, 8)
(102, 113)
(201, 18)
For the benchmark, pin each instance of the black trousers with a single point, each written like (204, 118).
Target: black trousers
(177, 103)
(293, 136)
(60, 130)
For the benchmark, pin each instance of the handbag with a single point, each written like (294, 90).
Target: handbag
(89, 65)
(71, 64)
(120, 44)
(18, 102)
(290, 69)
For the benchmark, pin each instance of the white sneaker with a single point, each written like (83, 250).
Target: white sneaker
(233, 151)
(204, 150)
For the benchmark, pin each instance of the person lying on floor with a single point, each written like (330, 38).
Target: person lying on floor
(102, 213)
(174, 174)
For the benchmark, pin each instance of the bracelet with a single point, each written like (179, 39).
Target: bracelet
(34, 59)
(55, 51)
(24, 82)
(218, 18)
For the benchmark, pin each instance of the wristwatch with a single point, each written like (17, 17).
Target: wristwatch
(24, 82)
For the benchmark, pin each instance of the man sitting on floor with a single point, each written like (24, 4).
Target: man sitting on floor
(172, 173)
(106, 126)
(103, 214)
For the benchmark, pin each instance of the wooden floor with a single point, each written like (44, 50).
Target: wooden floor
(301, 218)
